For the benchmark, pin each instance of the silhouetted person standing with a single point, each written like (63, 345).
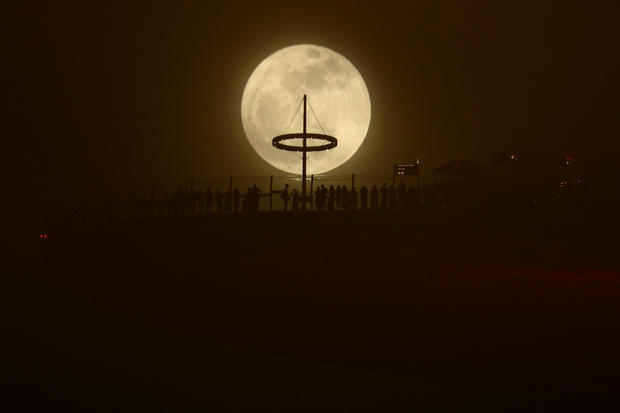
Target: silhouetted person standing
(374, 198)
(192, 201)
(338, 196)
(178, 202)
(385, 194)
(285, 196)
(166, 204)
(345, 202)
(201, 202)
(208, 200)
(254, 196)
(245, 203)
(364, 197)
(186, 202)
(428, 195)
(236, 199)
(417, 199)
(331, 199)
(317, 198)
(218, 199)
(295, 206)
(171, 204)
(325, 197)
(353, 196)
(393, 197)
(228, 201)
(402, 190)
(412, 198)
(162, 208)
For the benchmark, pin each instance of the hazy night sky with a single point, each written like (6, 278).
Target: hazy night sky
(133, 94)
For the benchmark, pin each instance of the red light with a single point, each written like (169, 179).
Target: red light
(570, 158)
(456, 163)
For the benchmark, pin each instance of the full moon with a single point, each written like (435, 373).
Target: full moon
(337, 97)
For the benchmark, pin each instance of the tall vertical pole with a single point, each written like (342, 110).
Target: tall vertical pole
(271, 193)
(312, 192)
(417, 161)
(303, 168)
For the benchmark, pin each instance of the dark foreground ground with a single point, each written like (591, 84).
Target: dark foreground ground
(439, 310)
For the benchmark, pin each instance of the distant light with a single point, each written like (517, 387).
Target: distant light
(570, 158)
(514, 156)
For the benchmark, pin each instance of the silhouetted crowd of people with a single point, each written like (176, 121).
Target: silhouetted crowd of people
(189, 202)
(345, 199)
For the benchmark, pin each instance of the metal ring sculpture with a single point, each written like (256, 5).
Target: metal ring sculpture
(331, 142)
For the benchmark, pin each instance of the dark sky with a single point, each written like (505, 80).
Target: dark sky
(128, 94)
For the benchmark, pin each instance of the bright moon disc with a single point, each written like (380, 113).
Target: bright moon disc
(336, 92)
